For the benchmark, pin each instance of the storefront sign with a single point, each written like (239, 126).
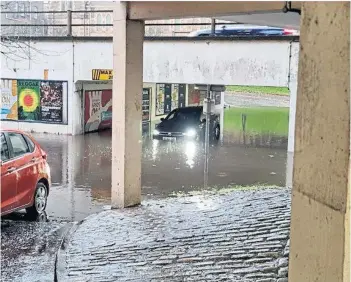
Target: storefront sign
(28, 100)
(8, 93)
(51, 100)
(102, 74)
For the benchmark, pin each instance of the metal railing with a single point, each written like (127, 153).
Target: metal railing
(66, 21)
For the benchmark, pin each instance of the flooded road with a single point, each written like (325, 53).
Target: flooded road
(81, 183)
(81, 168)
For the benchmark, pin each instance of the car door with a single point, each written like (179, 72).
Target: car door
(8, 178)
(26, 168)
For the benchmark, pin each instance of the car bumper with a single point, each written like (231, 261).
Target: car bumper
(173, 137)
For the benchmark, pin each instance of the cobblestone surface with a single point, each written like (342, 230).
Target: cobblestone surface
(240, 236)
(28, 250)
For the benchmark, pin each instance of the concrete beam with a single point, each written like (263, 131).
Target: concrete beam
(126, 103)
(320, 227)
(152, 10)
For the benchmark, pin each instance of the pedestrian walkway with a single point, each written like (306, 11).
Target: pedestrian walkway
(233, 236)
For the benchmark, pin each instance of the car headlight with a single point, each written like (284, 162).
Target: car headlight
(190, 133)
(156, 132)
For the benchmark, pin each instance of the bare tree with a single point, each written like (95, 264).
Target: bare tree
(14, 47)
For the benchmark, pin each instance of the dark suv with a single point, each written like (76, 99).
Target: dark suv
(188, 122)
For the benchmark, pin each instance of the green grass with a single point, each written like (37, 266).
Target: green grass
(259, 89)
(258, 120)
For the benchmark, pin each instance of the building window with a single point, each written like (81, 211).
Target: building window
(63, 5)
(34, 15)
(108, 19)
(22, 11)
(99, 21)
(69, 5)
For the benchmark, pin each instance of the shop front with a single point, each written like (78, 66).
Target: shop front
(96, 96)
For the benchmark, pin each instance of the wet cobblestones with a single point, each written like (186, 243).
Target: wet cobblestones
(241, 236)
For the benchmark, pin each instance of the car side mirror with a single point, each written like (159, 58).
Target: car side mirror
(203, 120)
(162, 119)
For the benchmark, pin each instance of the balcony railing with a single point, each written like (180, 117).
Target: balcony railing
(86, 23)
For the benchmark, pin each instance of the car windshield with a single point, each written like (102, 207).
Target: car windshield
(185, 114)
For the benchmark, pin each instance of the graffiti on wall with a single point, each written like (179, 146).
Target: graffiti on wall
(97, 110)
(32, 100)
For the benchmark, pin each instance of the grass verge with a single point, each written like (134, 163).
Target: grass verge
(273, 120)
(284, 91)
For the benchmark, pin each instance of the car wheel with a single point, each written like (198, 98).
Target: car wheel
(40, 200)
(217, 132)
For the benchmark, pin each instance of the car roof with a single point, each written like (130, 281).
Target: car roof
(12, 130)
(191, 108)
(236, 27)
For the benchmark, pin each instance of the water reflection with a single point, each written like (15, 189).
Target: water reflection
(81, 167)
(154, 149)
(23, 216)
(190, 152)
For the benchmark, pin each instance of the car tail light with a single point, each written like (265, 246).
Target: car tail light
(289, 32)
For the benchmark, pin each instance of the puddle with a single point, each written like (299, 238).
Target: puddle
(81, 166)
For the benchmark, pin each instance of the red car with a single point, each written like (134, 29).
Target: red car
(25, 174)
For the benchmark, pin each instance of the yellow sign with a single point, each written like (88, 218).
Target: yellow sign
(46, 74)
(102, 74)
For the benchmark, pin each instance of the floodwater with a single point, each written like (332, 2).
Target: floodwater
(81, 176)
(81, 168)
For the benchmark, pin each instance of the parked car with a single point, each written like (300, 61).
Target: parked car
(187, 122)
(245, 30)
(25, 174)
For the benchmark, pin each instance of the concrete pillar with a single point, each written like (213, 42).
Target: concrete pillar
(292, 115)
(126, 119)
(319, 247)
(293, 67)
(291, 135)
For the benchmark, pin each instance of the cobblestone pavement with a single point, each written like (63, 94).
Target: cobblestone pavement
(236, 236)
(236, 99)
(28, 250)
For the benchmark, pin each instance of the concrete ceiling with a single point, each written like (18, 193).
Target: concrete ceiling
(284, 20)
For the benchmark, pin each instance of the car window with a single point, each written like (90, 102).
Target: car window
(4, 149)
(30, 143)
(19, 144)
(171, 115)
(190, 114)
